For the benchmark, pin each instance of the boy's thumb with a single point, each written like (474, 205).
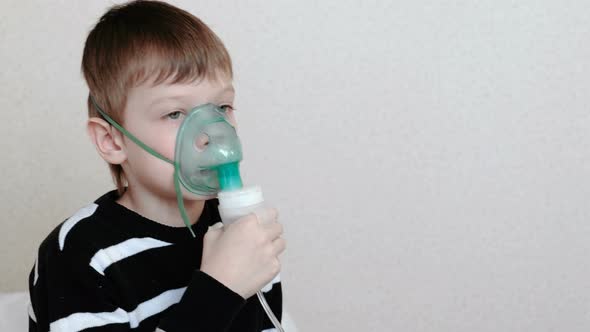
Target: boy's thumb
(215, 227)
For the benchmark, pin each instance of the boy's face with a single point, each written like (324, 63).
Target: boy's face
(154, 114)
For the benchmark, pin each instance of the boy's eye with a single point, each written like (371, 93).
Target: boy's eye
(174, 115)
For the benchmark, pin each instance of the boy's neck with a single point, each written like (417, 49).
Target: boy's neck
(163, 211)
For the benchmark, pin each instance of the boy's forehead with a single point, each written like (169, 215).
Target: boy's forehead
(205, 87)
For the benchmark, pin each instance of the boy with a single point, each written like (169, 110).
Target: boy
(127, 262)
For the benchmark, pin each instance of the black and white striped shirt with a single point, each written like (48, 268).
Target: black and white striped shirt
(107, 268)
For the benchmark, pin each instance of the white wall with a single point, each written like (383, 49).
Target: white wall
(431, 160)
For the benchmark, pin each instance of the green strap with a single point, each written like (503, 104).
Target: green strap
(128, 134)
(181, 201)
(179, 198)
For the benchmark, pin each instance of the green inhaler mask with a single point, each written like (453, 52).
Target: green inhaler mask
(207, 154)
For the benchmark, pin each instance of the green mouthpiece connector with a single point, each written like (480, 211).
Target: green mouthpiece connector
(229, 177)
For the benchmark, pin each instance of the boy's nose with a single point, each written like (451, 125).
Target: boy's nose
(201, 142)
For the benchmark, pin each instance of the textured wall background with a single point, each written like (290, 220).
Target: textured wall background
(431, 160)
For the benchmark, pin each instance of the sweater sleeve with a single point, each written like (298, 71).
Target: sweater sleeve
(216, 304)
(68, 294)
(253, 314)
(274, 297)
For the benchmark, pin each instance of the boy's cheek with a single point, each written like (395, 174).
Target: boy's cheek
(163, 144)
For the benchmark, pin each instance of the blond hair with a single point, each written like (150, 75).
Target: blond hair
(143, 40)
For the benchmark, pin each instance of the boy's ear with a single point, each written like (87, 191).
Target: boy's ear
(107, 140)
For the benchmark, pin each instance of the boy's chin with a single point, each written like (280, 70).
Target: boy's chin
(195, 197)
(188, 195)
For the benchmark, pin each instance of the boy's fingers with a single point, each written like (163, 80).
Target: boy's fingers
(215, 229)
(279, 245)
(274, 230)
(217, 225)
(266, 215)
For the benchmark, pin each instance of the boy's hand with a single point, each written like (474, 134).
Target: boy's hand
(244, 255)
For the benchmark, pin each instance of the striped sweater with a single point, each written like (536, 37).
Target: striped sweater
(107, 268)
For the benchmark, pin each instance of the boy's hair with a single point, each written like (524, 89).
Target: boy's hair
(143, 40)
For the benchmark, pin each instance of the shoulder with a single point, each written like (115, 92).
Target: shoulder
(85, 231)
(79, 225)
(70, 238)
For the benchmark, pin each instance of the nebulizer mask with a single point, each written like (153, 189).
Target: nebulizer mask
(207, 154)
(206, 163)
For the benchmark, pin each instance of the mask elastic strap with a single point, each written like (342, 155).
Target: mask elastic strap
(128, 134)
(180, 199)
(155, 154)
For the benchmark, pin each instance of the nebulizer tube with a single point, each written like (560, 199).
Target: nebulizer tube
(206, 163)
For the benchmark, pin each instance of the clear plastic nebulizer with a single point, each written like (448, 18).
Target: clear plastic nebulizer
(207, 157)
(233, 205)
(237, 203)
